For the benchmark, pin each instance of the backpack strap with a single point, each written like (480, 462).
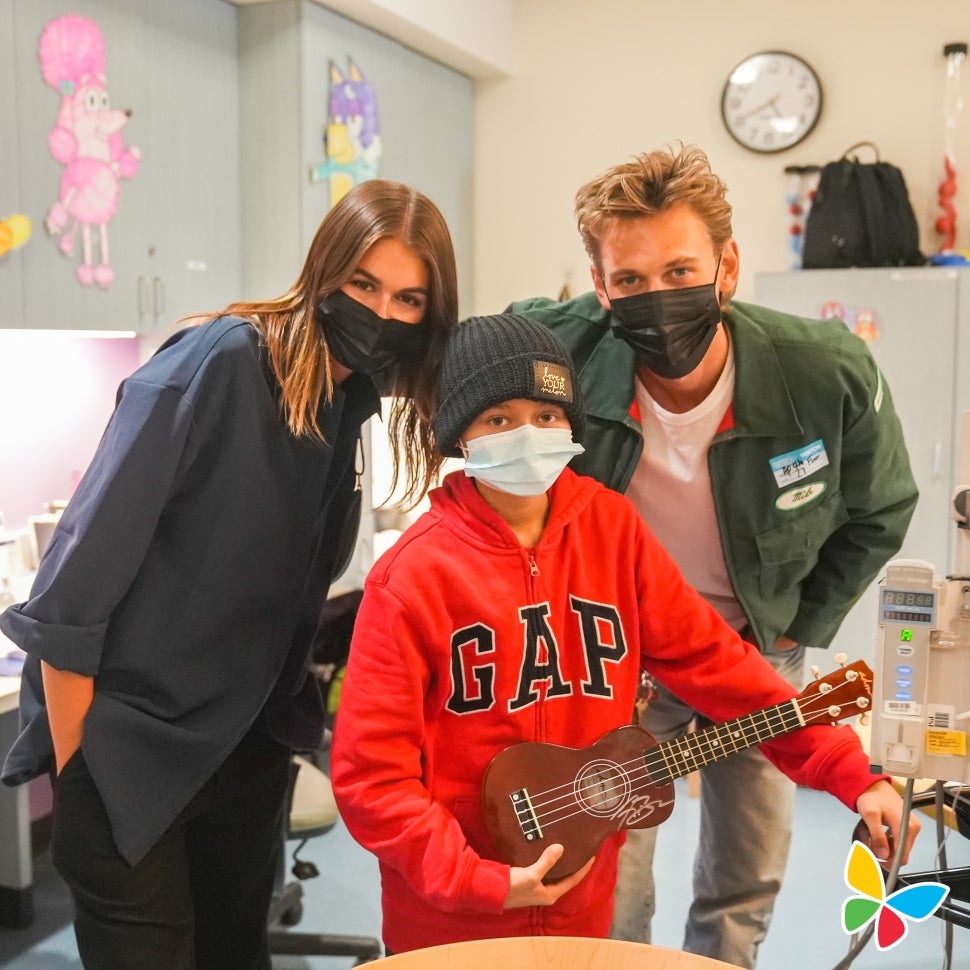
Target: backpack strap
(860, 144)
(870, 182)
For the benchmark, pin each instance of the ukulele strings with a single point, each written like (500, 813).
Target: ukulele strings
(608, 786)
(638, 772)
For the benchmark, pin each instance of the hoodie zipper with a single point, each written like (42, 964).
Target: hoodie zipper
(537, 914)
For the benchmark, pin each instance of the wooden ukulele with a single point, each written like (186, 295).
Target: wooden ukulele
(535, 794)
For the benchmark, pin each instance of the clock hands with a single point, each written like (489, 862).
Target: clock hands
(770, 103)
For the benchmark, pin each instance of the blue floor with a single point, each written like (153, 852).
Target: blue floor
(806, 933)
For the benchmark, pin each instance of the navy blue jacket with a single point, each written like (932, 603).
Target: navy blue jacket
(187, 576)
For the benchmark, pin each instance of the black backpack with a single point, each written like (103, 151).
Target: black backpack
(861, 216)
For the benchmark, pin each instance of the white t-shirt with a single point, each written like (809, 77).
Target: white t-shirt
(671, 488)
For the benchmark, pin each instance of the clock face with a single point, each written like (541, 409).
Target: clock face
(771, 101)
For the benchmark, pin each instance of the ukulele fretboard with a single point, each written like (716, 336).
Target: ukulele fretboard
(680, 756)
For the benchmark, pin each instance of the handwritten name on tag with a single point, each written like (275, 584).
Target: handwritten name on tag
(799, 464)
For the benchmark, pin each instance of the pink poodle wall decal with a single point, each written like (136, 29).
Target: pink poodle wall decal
(87, 141)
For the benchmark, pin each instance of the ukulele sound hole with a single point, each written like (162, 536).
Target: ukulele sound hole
(602, 787)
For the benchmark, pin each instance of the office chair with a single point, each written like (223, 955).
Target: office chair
(312, 811)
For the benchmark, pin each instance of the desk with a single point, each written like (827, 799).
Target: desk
(16, 866)
(549, 953)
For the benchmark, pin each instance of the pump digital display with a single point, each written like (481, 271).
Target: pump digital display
(892, 597)
(907, 606)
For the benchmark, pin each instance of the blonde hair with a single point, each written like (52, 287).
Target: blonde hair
(649, 184)
(299, 356)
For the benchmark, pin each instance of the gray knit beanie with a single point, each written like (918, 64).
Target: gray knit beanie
(499, 358)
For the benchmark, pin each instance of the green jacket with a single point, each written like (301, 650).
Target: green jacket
(812, 485)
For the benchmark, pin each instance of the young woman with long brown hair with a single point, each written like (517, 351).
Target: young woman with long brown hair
(169, 627)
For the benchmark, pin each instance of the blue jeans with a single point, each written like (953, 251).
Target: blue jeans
(745, 833)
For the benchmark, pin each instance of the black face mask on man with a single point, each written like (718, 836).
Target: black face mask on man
(362, 341)
(669, 330)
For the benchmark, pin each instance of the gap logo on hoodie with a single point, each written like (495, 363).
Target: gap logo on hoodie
(540, 672)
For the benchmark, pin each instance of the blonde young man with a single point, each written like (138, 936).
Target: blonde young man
(763, 450)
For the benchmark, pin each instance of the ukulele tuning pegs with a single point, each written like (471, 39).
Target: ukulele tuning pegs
(864, 719)
(816, 673)
(841, 659)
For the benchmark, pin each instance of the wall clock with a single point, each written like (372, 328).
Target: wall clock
(771, 101)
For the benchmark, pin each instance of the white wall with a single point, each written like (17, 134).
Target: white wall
(469, 35)
(56, 396)
(592, 83)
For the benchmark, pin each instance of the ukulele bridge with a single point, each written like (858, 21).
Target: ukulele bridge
(525, 814)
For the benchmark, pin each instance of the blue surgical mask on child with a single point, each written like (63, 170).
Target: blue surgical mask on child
(523, 461)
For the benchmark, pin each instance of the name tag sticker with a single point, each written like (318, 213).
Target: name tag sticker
(799, 464)
(798, 496)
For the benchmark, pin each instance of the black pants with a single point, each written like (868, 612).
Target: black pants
(199, 899)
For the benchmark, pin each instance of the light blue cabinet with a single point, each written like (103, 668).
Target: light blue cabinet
(286, 50)
(191, 159)
(11, 199)
(173, 241)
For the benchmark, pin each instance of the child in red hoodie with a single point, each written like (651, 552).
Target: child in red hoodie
(523, 607)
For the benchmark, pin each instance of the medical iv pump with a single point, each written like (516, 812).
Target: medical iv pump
(921, 695)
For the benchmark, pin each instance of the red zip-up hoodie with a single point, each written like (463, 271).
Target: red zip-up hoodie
(467, 643)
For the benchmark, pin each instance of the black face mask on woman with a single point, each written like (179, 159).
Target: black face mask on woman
(362, 341)
(669, 330)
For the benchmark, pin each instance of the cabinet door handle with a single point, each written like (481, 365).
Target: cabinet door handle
(143, 296)
(158, 296)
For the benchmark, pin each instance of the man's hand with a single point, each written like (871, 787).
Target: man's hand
(526, 887)
(881, 807)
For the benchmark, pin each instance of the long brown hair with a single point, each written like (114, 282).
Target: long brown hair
(372, 210)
